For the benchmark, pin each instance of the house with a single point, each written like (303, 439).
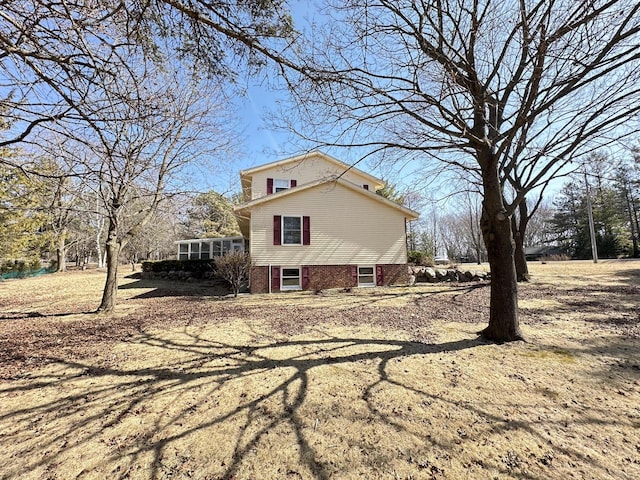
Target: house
(314, 222)
(541, 252)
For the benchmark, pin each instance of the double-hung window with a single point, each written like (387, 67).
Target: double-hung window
(366, 276)
(292, 230)
(280, 185)
(275, 185)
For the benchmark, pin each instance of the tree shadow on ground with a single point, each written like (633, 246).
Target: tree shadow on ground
(174, 288)
(630, 276)
(615, 307)
(200, 402)
(36, 314)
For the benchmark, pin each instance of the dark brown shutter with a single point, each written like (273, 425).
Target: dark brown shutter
(305, 278)
(269, 186)
(294, 183)
(366, 187)
(277, 225)
(306, 231)
(379, 275)
(354, 274)
(275, 279)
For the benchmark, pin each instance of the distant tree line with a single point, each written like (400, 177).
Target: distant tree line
(560, 220)
(61, 219)
(614, 190)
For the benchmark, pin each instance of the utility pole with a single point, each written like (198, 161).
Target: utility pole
(592, 229)
(633, 224)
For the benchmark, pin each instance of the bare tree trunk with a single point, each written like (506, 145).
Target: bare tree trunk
(61, 252)
(635, 213)
(99, 227)
(111, 285)
(519, 226)
(101, 261)
(633, 226)
(475, 232)
(496, 228)
(520, 258)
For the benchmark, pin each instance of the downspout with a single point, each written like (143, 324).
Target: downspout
(269, 279)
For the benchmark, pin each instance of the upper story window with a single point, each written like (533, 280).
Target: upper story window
(280, 185)
(275, 185)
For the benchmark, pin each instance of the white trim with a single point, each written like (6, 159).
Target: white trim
(193, 240)
(245, 208)
(290, 287)
(373, 276)
(377, 182)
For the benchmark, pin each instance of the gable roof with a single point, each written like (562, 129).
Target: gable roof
(246, 174)
(247, 206)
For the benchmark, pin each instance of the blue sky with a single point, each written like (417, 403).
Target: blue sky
(263, 144)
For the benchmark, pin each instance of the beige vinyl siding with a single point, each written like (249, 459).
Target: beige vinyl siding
(309, 170)
(346, 228)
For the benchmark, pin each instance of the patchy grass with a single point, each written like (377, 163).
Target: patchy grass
(375, 383)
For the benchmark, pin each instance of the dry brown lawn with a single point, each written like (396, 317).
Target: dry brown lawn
(374, 383)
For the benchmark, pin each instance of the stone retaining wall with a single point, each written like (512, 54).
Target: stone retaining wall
(434, 275)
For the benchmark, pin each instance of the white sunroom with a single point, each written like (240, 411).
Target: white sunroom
(206, 248)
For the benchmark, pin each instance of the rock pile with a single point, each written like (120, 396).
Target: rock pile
(435, 275)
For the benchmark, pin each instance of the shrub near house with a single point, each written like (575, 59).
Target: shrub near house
(203, 269)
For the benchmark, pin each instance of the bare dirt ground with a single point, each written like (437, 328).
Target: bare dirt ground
(375, 383)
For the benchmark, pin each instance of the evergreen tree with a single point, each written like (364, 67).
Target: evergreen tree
(627, 184)
(570, 224)
(211, 216)
(21, 222)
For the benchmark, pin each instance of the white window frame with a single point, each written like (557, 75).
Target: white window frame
(207, 252)
(280, 184)
(373, 276)
(282, 242)
(216, 247)
(284, 287)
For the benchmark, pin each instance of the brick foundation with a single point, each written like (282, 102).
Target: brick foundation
(322, 277)
(259, 280)
(396, 274)
(330, 276)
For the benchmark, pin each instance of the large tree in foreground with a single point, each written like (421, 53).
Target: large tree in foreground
(509, 89)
